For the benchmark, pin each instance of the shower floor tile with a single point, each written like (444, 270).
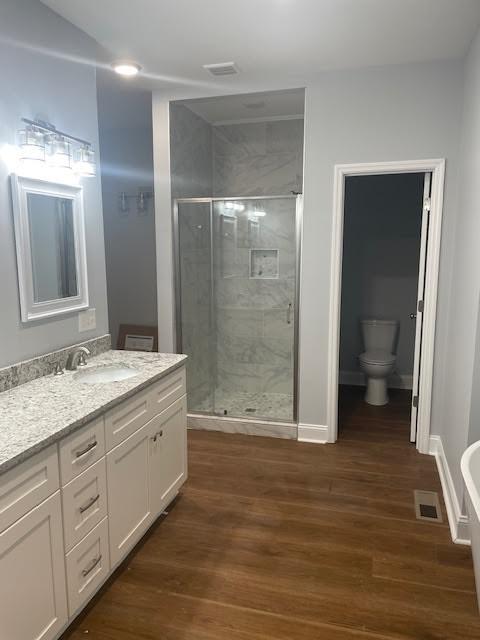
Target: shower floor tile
(242, 404)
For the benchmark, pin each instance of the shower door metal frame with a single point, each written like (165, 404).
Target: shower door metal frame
(178, 283)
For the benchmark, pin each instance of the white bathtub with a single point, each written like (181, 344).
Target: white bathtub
(471, 475)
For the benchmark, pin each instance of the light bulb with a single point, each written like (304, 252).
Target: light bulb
(60, 153)
(85, 162)
(32, 144)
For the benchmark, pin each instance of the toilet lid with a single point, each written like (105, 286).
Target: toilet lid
(377, 356)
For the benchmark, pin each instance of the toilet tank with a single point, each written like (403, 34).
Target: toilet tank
(379, 334)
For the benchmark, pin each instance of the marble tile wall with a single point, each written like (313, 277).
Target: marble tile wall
(264, 158)
(191, 153)
(191, 176)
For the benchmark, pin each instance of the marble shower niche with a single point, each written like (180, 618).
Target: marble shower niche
(238, 291)
(264, 263)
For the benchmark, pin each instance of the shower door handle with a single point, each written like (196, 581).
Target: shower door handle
(289, 313)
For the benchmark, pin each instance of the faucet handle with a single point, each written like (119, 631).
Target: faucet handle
(58, 371)
(82, 360)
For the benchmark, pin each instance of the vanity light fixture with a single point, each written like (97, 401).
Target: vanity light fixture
(126, 68)
(42, 141)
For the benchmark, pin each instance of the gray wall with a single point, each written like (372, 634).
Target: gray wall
(63, 92)
(459, 410)
(381, 245)
(263, 158)
(378, 114)
(127, 165)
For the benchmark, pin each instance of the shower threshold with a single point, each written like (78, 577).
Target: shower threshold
(250, 405)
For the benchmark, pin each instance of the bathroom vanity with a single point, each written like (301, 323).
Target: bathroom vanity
(86, 466)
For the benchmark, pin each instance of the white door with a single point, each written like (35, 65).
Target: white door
(418, 315)
(168, 464)
(33, 599)
(129, 513)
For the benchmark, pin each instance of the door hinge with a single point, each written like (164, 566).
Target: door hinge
(427, 205)
(420, 306)
(415, 401)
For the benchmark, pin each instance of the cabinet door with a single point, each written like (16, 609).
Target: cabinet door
(128, 493)
(33, 603)
(168, 463)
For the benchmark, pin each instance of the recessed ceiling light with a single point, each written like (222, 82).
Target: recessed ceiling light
(125, 68)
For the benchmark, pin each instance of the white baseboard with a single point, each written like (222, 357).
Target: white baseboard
(357, 379)
(459, 525)
(316, 433)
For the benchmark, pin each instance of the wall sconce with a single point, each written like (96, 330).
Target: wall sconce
(42, 141)
(123, 204)
(142, 198)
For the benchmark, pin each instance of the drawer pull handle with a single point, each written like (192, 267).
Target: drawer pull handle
(159, 434)
(89, 504)
(88, 448)
(92, 566)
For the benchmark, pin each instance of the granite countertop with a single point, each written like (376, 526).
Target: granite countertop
(38, 413)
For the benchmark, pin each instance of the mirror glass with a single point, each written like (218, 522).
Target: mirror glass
(52, 245)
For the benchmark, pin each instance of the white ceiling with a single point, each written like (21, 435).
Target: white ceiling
(276, 43)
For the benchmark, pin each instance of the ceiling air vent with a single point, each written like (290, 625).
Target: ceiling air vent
(222, 68)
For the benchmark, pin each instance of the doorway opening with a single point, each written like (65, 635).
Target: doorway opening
(385, 256)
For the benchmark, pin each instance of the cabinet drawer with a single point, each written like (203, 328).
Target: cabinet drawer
(88, 565)
(84, 503)
(81, 449)
(28, 484)
(126, 418)
(167, 390)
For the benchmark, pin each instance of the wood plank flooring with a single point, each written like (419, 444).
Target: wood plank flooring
(274, 539)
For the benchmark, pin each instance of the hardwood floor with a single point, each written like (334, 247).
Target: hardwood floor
(274, 539)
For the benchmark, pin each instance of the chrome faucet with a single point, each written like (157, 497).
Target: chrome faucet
(77, 357)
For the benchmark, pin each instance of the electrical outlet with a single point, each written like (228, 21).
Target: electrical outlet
(87, 320)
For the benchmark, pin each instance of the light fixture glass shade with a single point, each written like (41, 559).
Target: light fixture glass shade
(60, 153)
(85, 162)
(32, 144)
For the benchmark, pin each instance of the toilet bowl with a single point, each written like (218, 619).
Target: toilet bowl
(378, 360)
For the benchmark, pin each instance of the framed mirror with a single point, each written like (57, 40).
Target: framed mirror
(50, 242)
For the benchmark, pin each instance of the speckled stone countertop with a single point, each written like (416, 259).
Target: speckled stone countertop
(38, 413)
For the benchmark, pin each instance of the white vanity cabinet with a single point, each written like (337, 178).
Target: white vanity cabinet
(70, 514)
(33, 599)
(129, 492)
(145, 471)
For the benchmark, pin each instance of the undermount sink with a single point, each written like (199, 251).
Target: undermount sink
(108, 373)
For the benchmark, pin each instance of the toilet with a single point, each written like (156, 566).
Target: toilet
(378, 360)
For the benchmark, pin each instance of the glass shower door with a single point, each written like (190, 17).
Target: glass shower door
(254, 276)
(236, 299)
(195, 322)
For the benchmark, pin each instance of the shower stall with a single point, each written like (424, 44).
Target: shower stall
(237, 271)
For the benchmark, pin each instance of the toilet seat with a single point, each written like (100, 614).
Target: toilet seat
(377, 356)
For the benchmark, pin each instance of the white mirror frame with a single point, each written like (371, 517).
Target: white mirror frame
(31, 310)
